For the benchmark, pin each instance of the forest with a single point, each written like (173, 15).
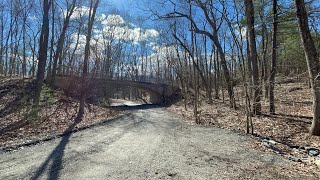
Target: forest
(250, 66)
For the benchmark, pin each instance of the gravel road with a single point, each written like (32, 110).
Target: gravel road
(147, 143)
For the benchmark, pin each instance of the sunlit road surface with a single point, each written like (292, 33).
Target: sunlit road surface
(148, 143)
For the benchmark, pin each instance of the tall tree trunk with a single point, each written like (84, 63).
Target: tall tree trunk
(195, 74)
(11, 59)
(264, 42)
(43, 48)
(69, 69)
(274, 58)
(24, 61)
(216, 73)
(58, 52)
(312, 58)
(51, 44)
(34, 56)
(207, 72)
(1, 38)
(253, 56)
(92, 13)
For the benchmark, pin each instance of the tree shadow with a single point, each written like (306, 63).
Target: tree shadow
(14, 126)
(290, 118)
(24, 122)
(22, 96)
(56, 157)
(294, 116)
(7, 87)
(4, 91)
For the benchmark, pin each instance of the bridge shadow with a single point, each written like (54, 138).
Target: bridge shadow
(135, 107)
(170, 100)
(55, 157)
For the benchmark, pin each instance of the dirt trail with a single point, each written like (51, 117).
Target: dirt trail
(145, 144)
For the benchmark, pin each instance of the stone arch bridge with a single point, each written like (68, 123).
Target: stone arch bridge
(159, 92)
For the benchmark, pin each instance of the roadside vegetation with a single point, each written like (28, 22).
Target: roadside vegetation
(20, 126)
(249, 66)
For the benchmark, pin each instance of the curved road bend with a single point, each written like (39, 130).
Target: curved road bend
(144, 144)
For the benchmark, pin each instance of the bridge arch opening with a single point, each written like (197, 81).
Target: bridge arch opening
(100, 89)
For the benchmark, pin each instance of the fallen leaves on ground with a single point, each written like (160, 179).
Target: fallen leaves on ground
(290, 127)
(54, 118)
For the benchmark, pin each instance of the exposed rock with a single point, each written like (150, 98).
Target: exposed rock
(271, 145)
(294, 89)
(313, 151)
(171, 174)
(295, 159)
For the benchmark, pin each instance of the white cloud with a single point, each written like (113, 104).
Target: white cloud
(112, 20)
(113, 27)
(151, 33)
(241, 32)
(79, 12)
(137, 34)
(162, 54)
(81, 44)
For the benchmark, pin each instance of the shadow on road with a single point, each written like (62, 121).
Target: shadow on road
(136, 107)
(56, 157)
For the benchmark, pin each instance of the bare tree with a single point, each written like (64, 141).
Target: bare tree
(264, 43)
(52, 41)
(211, 18)
(313, 62)
(43, 48)
(1, 37)
(70, 10)
(274, 58)
(253, 56)
(92, 12)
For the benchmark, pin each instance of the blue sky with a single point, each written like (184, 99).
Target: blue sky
(134, 8)
(121, 3)
(130, 6)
